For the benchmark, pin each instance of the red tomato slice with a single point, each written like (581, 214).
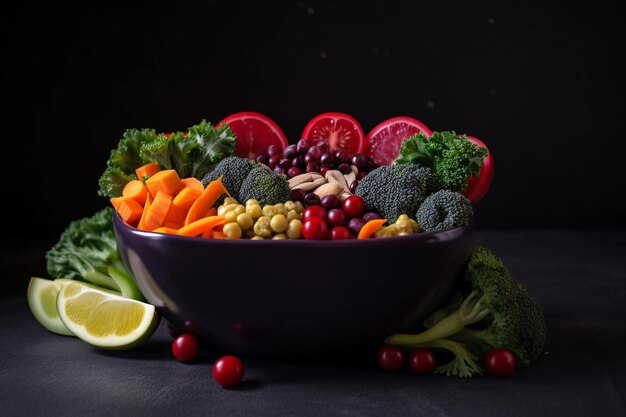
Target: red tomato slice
(478, 186)
(255, 133)
(383, 142)
(339, 130)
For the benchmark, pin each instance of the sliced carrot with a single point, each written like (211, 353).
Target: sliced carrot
(175, 215)
(167, 230)
(219, 235)
(186, 197)
(156, 213)
(209, 196)
(147, 170)
(136, 190)
(115, 201)
(141, 225)
(199, 226)
(193, 182)
(130, 211)
(172, 225)
(167, 181)
(212, 211)
(370, 228)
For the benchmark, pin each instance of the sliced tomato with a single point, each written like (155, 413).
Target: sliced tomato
(478, 186)
(383, 142)
(255, 133)
(339, 130)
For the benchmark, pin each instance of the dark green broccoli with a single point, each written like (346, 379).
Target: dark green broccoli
(234, 169)
(454, 158)
(494, 311)
(266, 186)
(192, 154)
(123, 161)
(87, 251)
(397, 189)
(444, 209)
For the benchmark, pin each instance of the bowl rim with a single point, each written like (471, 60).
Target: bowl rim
(438, 235)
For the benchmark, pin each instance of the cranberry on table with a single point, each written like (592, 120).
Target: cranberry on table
(228, 371)
(422, 361)
(500, 362)
(172, 330)
(186, 347)
(390, 358)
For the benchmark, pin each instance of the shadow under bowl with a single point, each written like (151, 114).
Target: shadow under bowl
(294, 298)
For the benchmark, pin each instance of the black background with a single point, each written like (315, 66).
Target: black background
(539, 82)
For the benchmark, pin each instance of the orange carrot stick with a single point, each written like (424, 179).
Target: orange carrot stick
(209, 196)
(130, 211)
(199, 226)
(175, 215)
(136, 190)
(147, 170)
(141, 225)
(115, 201)
(167, 181)
(370, 228)
(186, 197)
(167, 230)
(156, 213)
(193, 182)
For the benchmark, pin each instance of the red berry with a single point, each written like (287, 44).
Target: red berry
(315, 228)
(500, 362)
(353, 206)
(422, 361)
(390, 358)
(340, 232)
(336, 217)
(228, 371)
(313, 211)
(186, 347)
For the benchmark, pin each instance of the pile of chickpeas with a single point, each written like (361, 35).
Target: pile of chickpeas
(403, 226)
(251, 221)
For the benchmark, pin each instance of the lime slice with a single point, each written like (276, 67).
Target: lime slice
(103, 319)
(42, 297)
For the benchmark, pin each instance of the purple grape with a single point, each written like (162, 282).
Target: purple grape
(274, 150)
(328, 160)
(330, 201)
(297, 194)
(274, 160)
(312, 167)
(352, 186)
(324, 170)
(309, 158)
(263, 159)
(370, 216)
(285, 163)
(293, 171)
(344, 168)
(311, 199)
(323, 146)
(355, 224)
(303, 146)
(279, 170)
(337, 217)
(315, 151)
(360, 161)
(291, 151)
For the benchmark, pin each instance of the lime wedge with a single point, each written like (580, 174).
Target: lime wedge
(103, 319)
(42, 297)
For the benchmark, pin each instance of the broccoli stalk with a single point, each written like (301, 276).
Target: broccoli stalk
(504, 313)
(87, 251)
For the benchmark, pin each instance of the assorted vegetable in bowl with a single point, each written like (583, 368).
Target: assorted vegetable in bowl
(241, 179)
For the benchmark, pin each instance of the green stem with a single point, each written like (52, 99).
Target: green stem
(450, 325)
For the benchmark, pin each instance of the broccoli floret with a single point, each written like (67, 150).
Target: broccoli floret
(234, 169)
(444, 209)
(87, 251)
(123, 161)
(454, 158)
(397, 189)
(497, 311)
(266, 186)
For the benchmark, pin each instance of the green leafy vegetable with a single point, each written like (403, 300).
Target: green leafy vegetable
(454, 158)
(87, 251)
(495, 311)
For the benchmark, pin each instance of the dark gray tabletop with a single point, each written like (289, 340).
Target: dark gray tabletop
(579, 276)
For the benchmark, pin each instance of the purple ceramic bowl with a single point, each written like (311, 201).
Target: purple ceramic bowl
(294, 298)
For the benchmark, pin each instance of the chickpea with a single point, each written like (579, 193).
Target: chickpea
(290, 205)
(279, 236)
(278, 223)
(250, 233)
(294, 229)
(245, 221)
(252, 201)
(414, 226)
(231, 216)
(232, 230)
(254, 210)
(269, 210)
(257, 237)
(230, 200)
(262, 227)
(224, 208)
(292, 215)
(299, 206)
(280, 208)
